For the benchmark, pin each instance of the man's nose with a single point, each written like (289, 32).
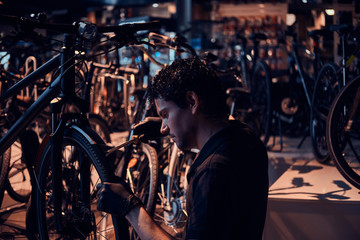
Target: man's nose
(164, 129)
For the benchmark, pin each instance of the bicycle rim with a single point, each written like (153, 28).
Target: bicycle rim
(344, 145)
(80, 217)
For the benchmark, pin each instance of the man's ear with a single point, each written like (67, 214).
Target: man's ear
(193, 101)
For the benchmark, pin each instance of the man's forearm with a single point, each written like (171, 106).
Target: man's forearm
(145, 226)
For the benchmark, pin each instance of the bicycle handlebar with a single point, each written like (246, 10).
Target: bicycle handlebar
(87, 30)
(176, 42)
(161, 38)
(131, 27)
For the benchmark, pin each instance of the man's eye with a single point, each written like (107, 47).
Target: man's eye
(164, 115)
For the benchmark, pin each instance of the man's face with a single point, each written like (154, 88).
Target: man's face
(178, 122)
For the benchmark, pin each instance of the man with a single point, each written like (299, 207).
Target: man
(228, 180)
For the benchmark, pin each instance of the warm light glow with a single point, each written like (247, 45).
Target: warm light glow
(330, 12)
(132, 162)
(172, 9)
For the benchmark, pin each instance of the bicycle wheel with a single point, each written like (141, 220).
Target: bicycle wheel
(83, 166)
(18, 183)
(326, 87)
(170, 212)
(99, 125)
(23, 152)
(343, 132)
(142, 176)
(261, 99)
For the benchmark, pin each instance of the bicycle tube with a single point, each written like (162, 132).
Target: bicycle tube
(326, 87)
(343, 132)
(79, 204)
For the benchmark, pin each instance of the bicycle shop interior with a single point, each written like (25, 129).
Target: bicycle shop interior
(310, 51)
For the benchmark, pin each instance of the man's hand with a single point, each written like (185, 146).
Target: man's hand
(116, 198)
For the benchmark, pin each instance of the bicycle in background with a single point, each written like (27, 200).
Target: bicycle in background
(332, 77)
(248, 85)
(343, 132)
(292, 94)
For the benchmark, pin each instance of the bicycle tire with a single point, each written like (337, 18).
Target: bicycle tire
(99, 125)
(327, 86)
(144, 178)
(261, 99)
(78, 221)
(344, 144)
(145, 185)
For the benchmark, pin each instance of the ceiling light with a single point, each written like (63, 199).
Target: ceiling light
(330, 12)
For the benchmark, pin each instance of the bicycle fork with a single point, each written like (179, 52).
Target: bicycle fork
(67, 73)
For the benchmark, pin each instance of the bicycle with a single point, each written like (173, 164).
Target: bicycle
(292, 97)
(328, 84)
(343, 133)
(17, 182)
(64, 184)
(114, 85)
(250, 95)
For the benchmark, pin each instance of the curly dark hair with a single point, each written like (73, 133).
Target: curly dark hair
(183, 75)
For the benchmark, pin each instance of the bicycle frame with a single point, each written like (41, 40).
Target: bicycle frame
(246, 72)
(117, 75)
(301, 72)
